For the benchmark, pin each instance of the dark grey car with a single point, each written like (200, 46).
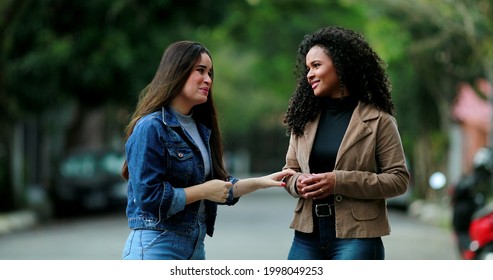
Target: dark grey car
(89, 180)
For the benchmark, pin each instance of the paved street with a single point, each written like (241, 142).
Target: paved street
(256, 228)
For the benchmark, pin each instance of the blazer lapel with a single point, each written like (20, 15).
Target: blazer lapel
(309, 134)
(357, 128)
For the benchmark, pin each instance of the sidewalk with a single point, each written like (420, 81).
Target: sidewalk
(15, 221)
(431, 213)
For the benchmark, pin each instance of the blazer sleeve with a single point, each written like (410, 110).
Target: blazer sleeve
(292, 163)
(388, 175)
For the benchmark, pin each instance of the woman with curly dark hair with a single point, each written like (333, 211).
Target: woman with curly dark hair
(345, 147)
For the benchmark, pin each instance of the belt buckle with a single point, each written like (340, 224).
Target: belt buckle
(323, 210)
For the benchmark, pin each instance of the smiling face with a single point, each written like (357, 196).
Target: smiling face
(197, 87)
(322, 74)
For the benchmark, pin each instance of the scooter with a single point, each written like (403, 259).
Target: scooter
(481, 233)
(472, 217)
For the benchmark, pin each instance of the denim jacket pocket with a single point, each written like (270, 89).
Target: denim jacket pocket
(180, 153)
(181, 165)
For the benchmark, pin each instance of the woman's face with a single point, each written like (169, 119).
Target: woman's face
(196, 89)
(322, 74)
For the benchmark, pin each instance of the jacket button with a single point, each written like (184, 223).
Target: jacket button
(338, 197)
(180, 154)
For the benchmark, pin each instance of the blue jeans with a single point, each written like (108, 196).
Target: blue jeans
(146, 244)
(322, 244)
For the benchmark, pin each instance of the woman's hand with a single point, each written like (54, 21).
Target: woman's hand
(216, 190)
(316, 186)
(275, 179)
(301, 185)
(248, 185)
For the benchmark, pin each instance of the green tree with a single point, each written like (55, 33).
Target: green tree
(255, 69)
(82, 56)
(85, 54)
(439, 44)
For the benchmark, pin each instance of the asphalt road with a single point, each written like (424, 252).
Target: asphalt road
(257, 228)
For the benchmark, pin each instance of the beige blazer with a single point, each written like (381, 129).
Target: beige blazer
(370, 167)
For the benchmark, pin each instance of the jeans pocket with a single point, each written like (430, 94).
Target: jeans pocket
(152, 238)
(128, 245)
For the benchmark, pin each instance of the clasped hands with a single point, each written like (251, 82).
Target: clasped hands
(316, 186)
(218, 190)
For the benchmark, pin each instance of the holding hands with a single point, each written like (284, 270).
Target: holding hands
(275, 179)
(245, 186)
(316, 186)
(219, 190)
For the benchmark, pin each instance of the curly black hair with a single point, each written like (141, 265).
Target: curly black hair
(359, 69)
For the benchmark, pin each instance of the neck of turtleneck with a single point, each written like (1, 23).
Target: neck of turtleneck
(344, 103)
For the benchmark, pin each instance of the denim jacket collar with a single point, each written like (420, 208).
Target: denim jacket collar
(168, 117)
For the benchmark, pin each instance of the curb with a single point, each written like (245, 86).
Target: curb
(15, 221)
(431, 213)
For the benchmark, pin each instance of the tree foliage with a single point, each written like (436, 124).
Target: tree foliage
(446, 43)
(92, 54)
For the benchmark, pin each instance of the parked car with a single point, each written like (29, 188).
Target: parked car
(89, 180)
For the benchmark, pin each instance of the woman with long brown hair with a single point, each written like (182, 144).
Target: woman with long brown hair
(174, 160)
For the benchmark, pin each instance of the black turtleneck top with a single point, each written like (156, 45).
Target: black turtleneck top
(334, 120)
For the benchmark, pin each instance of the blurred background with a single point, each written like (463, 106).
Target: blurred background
(71, 71)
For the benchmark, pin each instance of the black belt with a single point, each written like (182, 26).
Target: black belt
(324, 210)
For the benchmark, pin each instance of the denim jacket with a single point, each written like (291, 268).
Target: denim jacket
(163, 159)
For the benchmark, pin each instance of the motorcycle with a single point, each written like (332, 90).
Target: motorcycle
(472, 215)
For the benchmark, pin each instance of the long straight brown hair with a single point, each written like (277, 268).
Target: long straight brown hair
(174, 69)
